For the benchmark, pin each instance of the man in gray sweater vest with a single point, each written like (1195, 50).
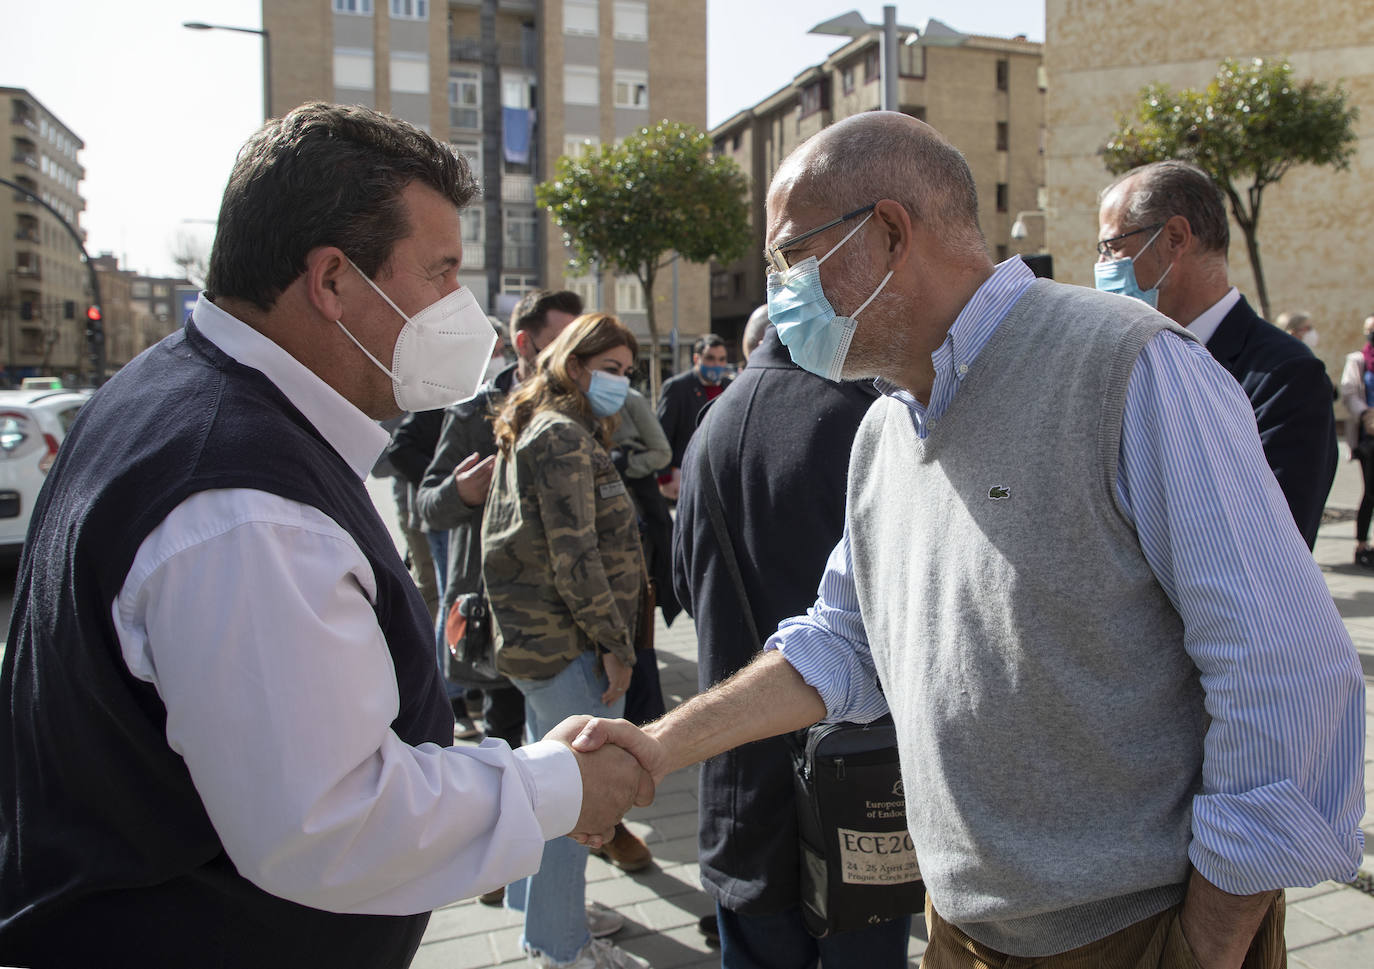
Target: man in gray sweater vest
(1128, 712)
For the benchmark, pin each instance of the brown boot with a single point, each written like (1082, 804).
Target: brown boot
(625, 851)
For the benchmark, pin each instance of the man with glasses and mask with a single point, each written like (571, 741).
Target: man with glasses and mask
(225, 741)
(1127, 710)
(1165, 225)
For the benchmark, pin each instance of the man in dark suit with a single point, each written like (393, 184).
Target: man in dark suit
(1165, 224)
(778, 442)
(681, 399)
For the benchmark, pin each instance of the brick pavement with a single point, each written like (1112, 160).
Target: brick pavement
(1330, 926)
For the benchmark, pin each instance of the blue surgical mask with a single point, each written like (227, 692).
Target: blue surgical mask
(606, 393)
(713, 374)
(1118, 276)
(816, 337)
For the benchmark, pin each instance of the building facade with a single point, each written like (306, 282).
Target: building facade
(985, 94)
(513, 84)
(45, 290)
(1313, 231)
(138, 310)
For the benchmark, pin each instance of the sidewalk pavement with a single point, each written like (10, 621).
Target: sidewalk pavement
(1330, 926)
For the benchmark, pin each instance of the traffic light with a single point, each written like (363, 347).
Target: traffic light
(95, 328)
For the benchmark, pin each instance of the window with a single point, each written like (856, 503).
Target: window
(353, 68)
(517, 284)
(720, 285)
(631, 89)
(629, 295)
(581, 85)
(911, 60)
(520, 227)
(585, 288)
(363, 7)
(917, 111)
(1003, 74)
(517, 90)
(575, 146)
(631, 20)
(410, 9)
(470, 219)
(847, 79)
(580, 17)
(1002, 253)
(1001, 196)
(815, 97)
(871, 68)
(409, 73)
(472, 152)
(1001, 136)
(465, 99)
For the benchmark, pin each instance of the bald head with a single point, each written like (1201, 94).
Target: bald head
(754, 330)
(885, 155)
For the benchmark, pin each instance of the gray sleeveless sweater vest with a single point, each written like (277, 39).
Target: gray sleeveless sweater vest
(1052, 723)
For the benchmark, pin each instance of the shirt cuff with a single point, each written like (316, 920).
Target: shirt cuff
(554, 783)
(1269, 838)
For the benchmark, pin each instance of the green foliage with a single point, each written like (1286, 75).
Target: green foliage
(1246, 129)
(1253, 120)
(661, 190)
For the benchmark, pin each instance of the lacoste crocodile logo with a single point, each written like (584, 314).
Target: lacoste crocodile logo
(998, 492)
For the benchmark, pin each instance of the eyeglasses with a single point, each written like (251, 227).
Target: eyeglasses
(774, 254)
(1108, 246)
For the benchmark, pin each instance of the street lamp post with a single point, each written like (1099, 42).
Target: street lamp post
(266, 57)
(853, 24)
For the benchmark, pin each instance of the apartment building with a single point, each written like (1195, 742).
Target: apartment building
(985, 94)
(139, 310)
(1315, 221)
(513, 84)
(45, 289)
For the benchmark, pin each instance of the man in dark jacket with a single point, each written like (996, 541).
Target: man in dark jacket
(681, 399)
(1169, 220)
(779, 449)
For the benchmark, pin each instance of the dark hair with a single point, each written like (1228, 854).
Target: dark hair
(324, 175)
(1169, 188)
(532, 312)
(553, 388)
(709, 340)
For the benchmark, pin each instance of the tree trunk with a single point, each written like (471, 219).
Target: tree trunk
(1249, 226)
(655, 377)
(1261, 291)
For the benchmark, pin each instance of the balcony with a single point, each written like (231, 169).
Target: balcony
(523, 53)
(28, 272)
(519, 257)
(26, 119)
(517, 188)
(25, 159)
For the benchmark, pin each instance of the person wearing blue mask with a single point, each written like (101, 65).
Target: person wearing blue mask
(1127, 710)
(681, 399)
(1162, 239)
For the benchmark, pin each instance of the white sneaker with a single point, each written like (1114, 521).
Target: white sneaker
(602, 922)
(596, 954)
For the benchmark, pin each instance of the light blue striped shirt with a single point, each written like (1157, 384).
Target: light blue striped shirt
(1283, 769)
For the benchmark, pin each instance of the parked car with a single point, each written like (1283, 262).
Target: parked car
(33, 424)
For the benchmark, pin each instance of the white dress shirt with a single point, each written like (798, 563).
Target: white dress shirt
(1209, 319)
(253, 618)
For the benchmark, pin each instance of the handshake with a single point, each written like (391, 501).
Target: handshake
(621, 767)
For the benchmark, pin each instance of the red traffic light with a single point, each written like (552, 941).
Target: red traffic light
(93, 314)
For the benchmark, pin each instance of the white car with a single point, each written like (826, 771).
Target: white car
(32, 426)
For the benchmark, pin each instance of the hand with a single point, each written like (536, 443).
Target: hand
(618, 674)
(1367, 420)
(473, 477)
(612, 783)
(671, 487)
(651, 755)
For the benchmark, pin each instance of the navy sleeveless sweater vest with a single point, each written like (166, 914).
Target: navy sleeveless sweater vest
(107, 856)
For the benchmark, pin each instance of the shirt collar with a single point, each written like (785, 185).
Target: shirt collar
(358, 438)
(1207, 322)
(975, 324)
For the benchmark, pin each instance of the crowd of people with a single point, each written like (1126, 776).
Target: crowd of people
(1061, 536)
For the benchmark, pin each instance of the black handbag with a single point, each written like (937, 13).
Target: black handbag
(467, 633)
(858, 865)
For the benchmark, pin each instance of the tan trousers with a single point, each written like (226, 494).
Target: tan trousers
(1153, 943)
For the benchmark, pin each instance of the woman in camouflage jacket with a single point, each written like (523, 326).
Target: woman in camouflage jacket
(563, 569)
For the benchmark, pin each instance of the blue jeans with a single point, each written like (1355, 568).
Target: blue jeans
(438, 550)
(554, 898)
(781, 942)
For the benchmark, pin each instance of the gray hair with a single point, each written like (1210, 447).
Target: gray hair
(1169, 188)
(1293, 323)
(881, 155)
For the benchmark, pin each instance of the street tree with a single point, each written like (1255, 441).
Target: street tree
(632, 208)
(1250, 125)
(191, 255)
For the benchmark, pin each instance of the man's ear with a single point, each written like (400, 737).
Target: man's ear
(1177, 234)
(327, 270)
(895, 221)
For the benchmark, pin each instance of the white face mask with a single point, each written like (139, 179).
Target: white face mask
(441, 352)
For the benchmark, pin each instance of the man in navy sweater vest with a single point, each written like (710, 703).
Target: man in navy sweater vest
(225, 741)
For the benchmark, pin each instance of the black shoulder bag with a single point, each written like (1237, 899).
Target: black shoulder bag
(858, 865)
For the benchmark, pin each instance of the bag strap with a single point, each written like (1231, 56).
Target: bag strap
(715, 511)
